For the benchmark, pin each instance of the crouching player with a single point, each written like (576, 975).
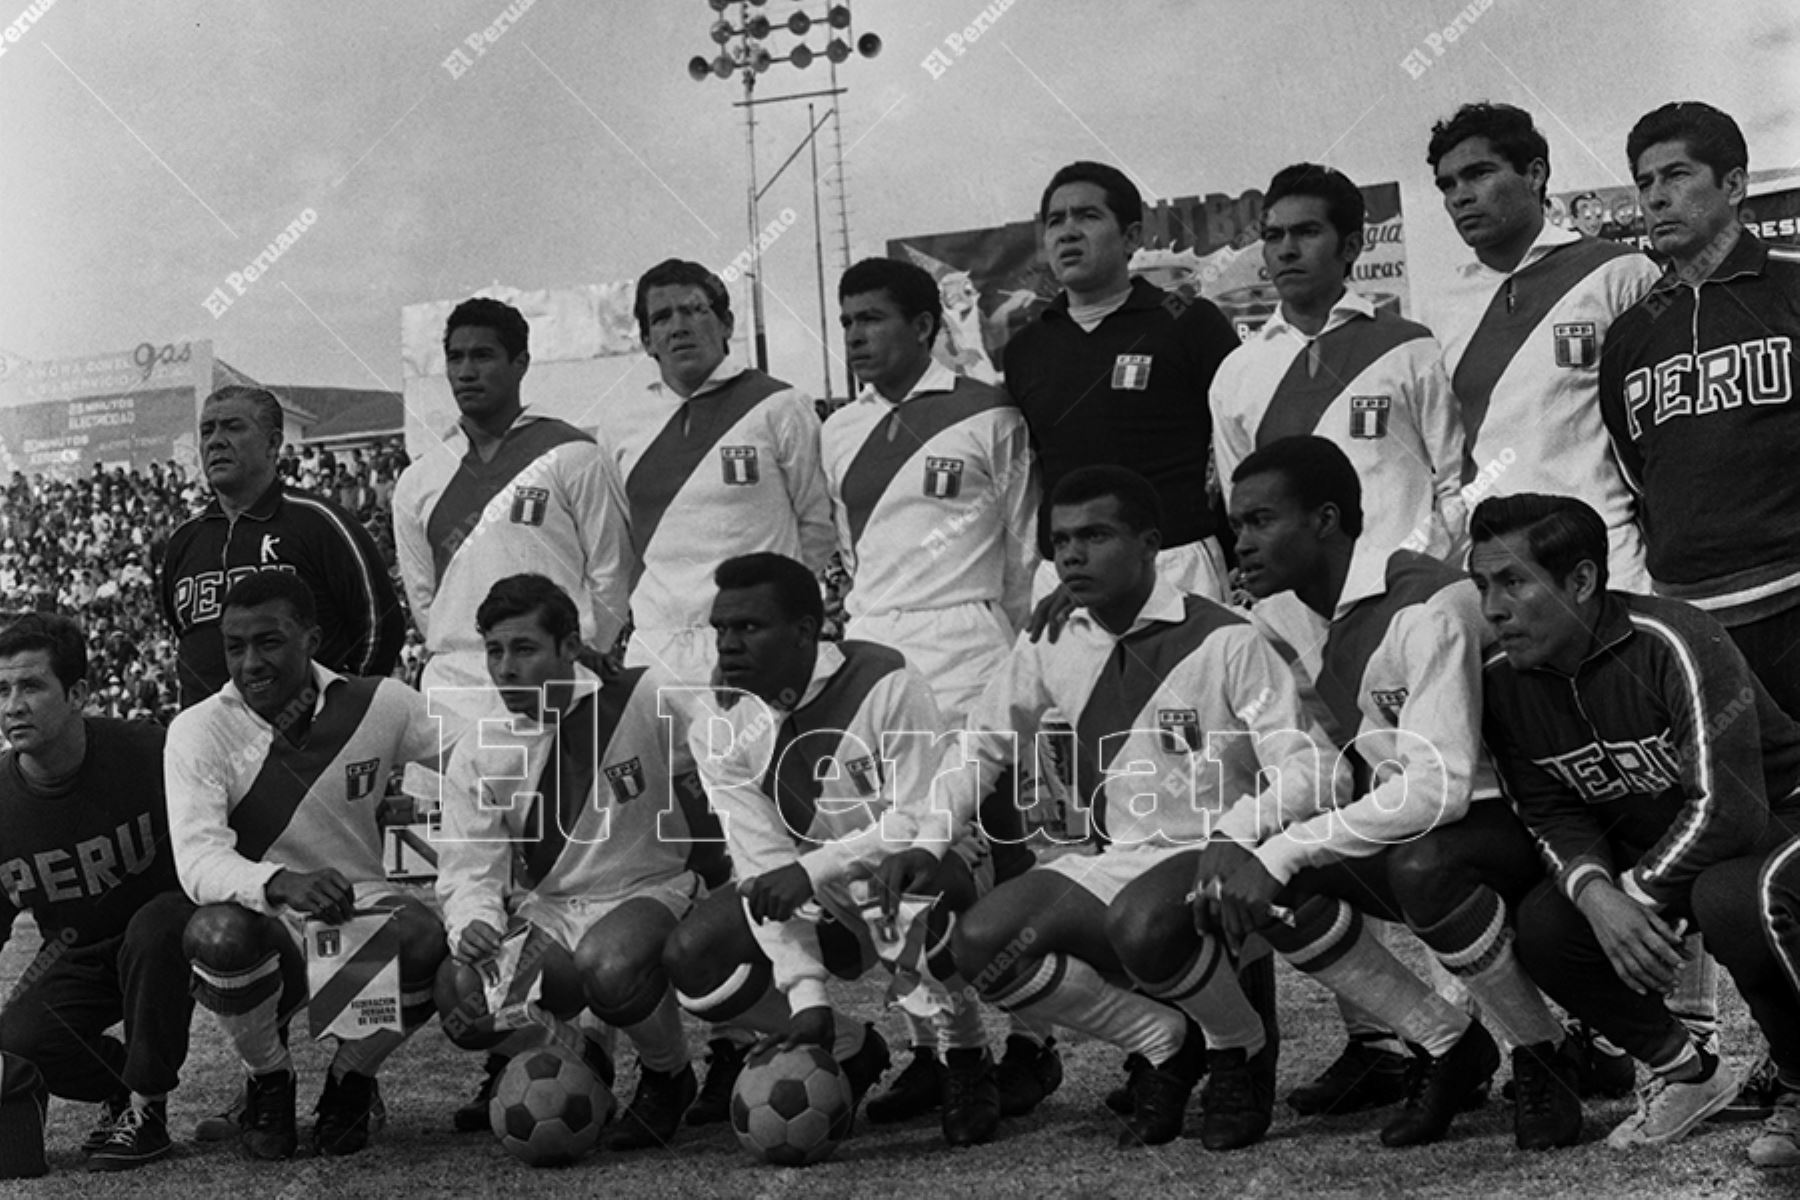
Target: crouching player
(1427, 839)
(1658, 776)
(1179, 705)
(273, 784)
(566, 825)
(831, 757)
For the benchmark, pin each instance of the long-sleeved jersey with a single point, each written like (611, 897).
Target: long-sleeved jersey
(361, 625)
(85, 856)
(245, 802)
(1132, 391)
(935, 498)
(836, 784)
(1374, 384)
(548, 501)
(1173, 722)
(1523, 352)
(1400, 671)
(1660, 757)
(1697, 385)
(734, 469)
(588, 808)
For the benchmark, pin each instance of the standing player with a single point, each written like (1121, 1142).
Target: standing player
(1427, 840)
(718, 459)
(1178, 705)
(1330, 363)
(1697, 384)
(529, 493)
(87, 851)
(1117, 370)
(1643, 753)
(932, 483)
(832, 755)
(592, 859)
(255, 523)
(273, 784)
(1522, 325)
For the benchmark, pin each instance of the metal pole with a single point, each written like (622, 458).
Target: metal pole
(819, 259)
(837, 150)
(760, 334)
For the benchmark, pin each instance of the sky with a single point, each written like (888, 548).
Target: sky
(151, 150)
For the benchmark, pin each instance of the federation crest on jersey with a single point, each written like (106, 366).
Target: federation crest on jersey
(739, 465)
(626, 780)
(1131, 373)
(359, 779)
(1178, 729)
(865, 773)
(1369, 416)
(1577, 344)
(1389, 702)
(943, 478)
(529, 505)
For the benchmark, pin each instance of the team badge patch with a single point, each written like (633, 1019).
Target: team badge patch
(739, 465)
(943, 478)
(529, 505)
(359, 779)
(627, 780)
(1389, 703)
(1577, 344)
(1178, 729)
(865, 773)
(1369, 416)
(1131, 373)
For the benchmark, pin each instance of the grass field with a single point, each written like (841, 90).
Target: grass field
(1064, 1149)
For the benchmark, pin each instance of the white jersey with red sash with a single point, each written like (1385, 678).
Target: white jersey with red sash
(1523, 352)
(1373, 384)
(1400, 672)
(548, 501)
(245, 802)
(734, 469)
(1173, 722)
(836, 785)
(586, 808)
(935, 498)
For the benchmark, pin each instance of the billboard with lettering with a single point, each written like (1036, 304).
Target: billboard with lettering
(127, 409)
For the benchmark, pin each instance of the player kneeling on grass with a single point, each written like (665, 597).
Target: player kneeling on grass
(1660, 779)
(273, 784)
(583, 854)
(1179, 704)
(1428, 839)
(829, 765)
(86, 851)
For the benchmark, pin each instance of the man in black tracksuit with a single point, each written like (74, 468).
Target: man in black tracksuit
(1658, 776)
(87, 852)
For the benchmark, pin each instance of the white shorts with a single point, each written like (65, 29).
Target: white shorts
(568, 918)
(1198, 567)
(958, 649)
(687, 656)
(1104, 876)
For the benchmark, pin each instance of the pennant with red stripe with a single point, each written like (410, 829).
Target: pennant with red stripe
(353, 976)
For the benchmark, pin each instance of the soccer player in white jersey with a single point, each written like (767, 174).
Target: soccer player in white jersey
(821, 765)
(514, 492)
(273, 783)
(717, 459)
(592, 862)
(1522, 325)
(1331, 363)
(935, 496)
(1179, 705)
